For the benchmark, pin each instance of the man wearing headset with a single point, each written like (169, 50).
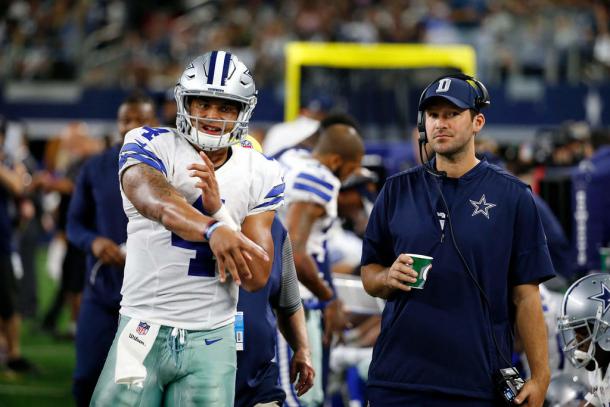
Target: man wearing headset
(446, 343)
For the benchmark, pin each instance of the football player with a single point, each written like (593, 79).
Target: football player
(584, 326)
(312, 187)
(278, 304)
(199, 226)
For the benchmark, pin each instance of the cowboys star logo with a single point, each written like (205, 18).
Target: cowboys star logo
(603, 297)
(482, 206)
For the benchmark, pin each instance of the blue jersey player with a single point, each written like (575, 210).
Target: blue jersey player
(257, 370)
(98, 226)
(442, 344)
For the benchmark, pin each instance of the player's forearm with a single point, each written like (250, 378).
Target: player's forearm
(156, 199)
(258, 229)
(260, 274)
(181, 218)
(307, 273)
(80, 235)
(373, 279)
(293, 329)
(532, 330)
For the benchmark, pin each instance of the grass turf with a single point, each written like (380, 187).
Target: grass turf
(54, 358)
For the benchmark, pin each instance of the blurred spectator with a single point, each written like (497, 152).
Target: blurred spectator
(29, 230)
(75, 146)
(125, 43)
(169, 109)
(591, 204)
(11, 187)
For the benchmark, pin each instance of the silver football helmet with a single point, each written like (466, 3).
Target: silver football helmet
(585, 318)
(216, 74)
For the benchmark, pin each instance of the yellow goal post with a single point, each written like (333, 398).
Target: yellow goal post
(367, 56)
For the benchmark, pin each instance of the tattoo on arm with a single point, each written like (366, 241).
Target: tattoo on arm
(147, 188)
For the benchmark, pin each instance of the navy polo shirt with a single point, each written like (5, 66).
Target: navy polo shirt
(257, 373)
(96, 209)
(439, 339)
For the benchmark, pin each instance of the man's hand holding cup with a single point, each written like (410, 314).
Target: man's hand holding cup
(408, 271)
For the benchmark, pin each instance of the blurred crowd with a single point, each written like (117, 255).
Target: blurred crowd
(144, 45)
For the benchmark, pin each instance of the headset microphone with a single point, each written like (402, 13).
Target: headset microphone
(427, 164)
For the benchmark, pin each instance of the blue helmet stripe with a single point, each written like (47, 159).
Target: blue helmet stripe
(225, 68)
(211, 67)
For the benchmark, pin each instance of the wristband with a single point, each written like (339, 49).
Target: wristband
(211, 227)
(223, 215)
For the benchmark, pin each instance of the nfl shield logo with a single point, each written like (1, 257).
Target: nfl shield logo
(142, 328)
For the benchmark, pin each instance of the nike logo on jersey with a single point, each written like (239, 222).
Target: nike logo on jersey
(212, 341)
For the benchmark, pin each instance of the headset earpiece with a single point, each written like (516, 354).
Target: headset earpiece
(421, 127)
(483, 100)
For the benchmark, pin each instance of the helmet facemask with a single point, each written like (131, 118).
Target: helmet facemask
(580, 334)
(577, 336)
(225, 132)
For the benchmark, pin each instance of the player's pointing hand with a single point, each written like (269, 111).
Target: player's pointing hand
(207, 183)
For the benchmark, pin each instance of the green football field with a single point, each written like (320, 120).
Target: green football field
(53, 357)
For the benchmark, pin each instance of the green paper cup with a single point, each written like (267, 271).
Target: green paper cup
(604, 253)
(421, 264)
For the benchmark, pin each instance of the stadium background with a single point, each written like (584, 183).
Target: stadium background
(546, 65)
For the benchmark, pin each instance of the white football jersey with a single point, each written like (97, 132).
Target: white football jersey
(600, 394)
(293, 157)
(171, 281)
(309, 181)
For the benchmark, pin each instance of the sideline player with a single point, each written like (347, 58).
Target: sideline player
(97, 225)
(312, 187)
(583, 325)
(277, 304)
(257, 369)
(187, 192)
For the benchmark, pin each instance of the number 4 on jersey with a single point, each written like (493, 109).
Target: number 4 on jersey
(203, 265)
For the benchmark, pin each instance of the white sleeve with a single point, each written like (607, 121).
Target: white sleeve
(146, 145)
(311, 184)
(267, 191)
